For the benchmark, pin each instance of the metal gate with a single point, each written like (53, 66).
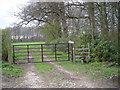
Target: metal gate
(36, 53)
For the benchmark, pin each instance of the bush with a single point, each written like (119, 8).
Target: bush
(103, 51)
(6, 46)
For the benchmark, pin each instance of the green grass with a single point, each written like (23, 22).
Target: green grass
(11, 69)
(37, 54)
(19, 54)
(23, 49)
(44, 67)
(97, 72)
(63, 56)
(22, 43)
(15, 70)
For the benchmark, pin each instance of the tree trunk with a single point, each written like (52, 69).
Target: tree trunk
(103, 20)
(64, 24)
(119, 32)
(92, 19)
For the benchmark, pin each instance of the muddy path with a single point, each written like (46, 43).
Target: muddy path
(59, 78)
(63, 78)
(30, 79)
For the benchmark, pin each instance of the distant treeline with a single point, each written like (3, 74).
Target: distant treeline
(25, 34)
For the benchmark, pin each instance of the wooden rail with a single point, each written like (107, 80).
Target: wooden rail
(82, 53)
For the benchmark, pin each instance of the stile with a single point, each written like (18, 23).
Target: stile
(82, 48)
(84, 51)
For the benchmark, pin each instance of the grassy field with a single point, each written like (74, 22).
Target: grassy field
(22, 43)
(50, 53)
(21, 52)
(95, 70)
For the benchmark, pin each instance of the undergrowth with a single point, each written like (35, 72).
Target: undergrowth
(11, 69)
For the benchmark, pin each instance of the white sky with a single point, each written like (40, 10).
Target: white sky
(7, 10)
(9, 7)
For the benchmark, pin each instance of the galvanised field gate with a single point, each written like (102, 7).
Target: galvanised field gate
(36, 53)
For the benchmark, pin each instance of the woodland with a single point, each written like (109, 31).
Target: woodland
(96, 23)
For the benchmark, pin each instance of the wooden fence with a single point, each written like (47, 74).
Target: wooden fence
(82, 54)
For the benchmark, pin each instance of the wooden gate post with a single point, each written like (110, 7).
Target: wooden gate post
(42, 51)
(28, 52)
(72, 50)
(55, 52)
(68, 52)
(13, 55)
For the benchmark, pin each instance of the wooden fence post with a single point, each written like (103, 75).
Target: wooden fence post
(74, 54)
(89, 50)
(68, 52)
(72, 50)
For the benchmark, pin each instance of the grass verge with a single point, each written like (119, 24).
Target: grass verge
(11, 69)
(101, 71)
(42, 68)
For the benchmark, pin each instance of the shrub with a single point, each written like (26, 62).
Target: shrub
(103, 51)
(6, 46)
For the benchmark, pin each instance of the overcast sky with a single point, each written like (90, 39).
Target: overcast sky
(9, 7)
(7, 10)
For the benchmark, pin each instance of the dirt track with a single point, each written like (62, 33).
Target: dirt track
(60, 78)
